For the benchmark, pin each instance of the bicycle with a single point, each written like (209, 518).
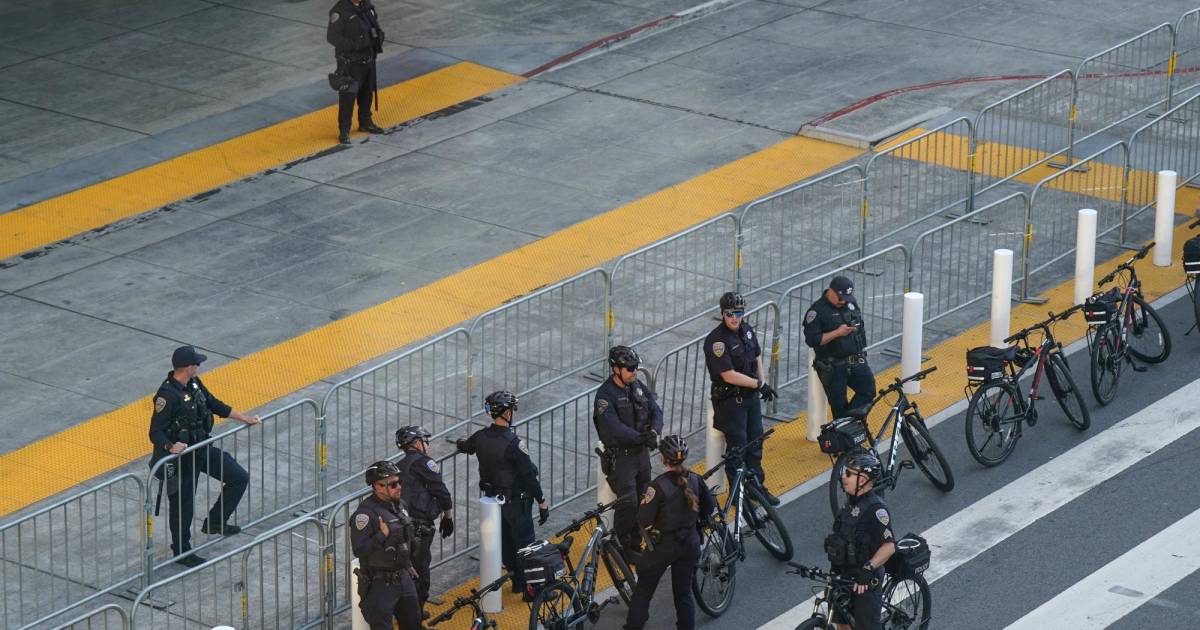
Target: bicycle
(721, 546)
(480, 620)
(908, 428)
(998, 409)
(1191, 269)
(569, 601)
(1122, 327)
(906, 602)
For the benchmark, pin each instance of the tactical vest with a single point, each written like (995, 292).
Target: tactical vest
(496, 475)
(849, 544)
(421, 504)
(193, 423)
(676, 515)
(633, 408)
(394, 556)
(855, 342)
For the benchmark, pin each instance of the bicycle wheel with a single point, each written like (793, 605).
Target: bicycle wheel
(926, 454)
(716, 572)
(836, 495)
(816, 623)
(906, 604)
(554, 607)
(994, 418)
(622, 577)
(1195, 299)
(768, 527)
(1106, 362)
(1148, 339)
(1068, 394)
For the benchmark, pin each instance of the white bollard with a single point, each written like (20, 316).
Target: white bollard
(604, 492)
(1085, 254)
(1164, 219)
(489, 551)
(818, 405)
(714, 448)
(1002, 270)
(910, 342)
(357, 621)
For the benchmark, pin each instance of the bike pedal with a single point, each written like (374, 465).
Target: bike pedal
(908, 464)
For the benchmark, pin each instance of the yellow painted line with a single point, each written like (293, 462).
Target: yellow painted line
(65, 216)
(96, 446)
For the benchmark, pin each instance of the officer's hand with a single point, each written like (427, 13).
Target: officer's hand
(767, 393)
(177, 448)
(383, 527)
(844, 330)
(543, 513)
(650, 439)
(252, 420)
(446, 527)
(461, 445)
(413, 572)
(863, 580)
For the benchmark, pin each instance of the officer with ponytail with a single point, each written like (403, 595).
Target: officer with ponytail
(671, 512)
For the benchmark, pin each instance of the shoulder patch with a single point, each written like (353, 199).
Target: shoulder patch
(360, 521)
(601, 405)
(433, 466)
(718, 349)
(883, 516)
(749, 333)
(648, 496)
(810, 316)
(333, 17)
(521, 445)
(160, 403)
(850, 305)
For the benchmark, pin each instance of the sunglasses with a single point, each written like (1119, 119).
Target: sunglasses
(734, 313)
(389, 485)
(629, 369)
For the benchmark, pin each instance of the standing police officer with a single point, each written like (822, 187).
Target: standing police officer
(833, 327)
(183, 415)
(505, 470)
(671, 511)
(734, 361)
(426, 496)
(628, 421)
(381, 536)
(862, 542)
(357, 39)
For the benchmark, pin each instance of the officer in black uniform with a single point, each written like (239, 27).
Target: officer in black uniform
(381, 536)
(735, 366)
(833, 328)
(425, 496)
(183, 415)
(862, 542)
(671, 512)
(628, 421)
(357, 39)
(505, 470)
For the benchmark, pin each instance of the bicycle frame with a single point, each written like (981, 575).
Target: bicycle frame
(894, 419)
(1041, 356)
(583, 575)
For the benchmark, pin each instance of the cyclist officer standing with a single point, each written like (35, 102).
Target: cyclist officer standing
(426, 496)
(670, 513)
(862, 542)
(381, 539)
(833, 328)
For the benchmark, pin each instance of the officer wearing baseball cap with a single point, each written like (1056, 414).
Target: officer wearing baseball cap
(833, 328)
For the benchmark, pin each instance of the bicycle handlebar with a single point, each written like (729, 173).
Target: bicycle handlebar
(814, 573)
(736, 453)
(1127, 265)
(1043, 325)
(463, 602)
(899, 382)
(591, 514)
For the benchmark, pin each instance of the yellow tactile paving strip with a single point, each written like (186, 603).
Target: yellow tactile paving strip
(65, 216)
(96, 446)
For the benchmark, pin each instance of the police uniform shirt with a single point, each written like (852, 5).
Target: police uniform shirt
(175, 400)
(425, 494)
(504, 460)
(374, 550)
(823, 317)
(726, 350)
(354, 29)
(872, 522)
(665, 508)
(637, 398)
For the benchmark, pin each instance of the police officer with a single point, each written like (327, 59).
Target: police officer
(425, 496)
(381, 537)
(735, 366)
(183, 415)
(833, 327)
(628, 421)
(357, 39)
(670, 513)
(862, 542)
(505, 470)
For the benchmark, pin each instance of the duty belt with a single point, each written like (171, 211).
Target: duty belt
(861, 357)
(625, 450)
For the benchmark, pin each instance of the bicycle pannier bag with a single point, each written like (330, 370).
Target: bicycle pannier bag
(542, 563)
(1099, 309)
(1191, 256)
(985, 364)
(911, 558)
(841, 435)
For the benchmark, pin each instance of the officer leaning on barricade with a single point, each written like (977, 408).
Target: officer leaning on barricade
(862, 541)
(671, 512)
(357, 39)
(505, 470)
(833, 327)
(183, 415)
(628, 421)
(734, 360)
(425, 496)
(381, 535)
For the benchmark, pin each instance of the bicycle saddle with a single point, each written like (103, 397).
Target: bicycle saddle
(857, 413)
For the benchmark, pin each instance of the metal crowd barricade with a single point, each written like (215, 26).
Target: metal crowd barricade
(561, 443)
(107, 617)
(1186, 57)
(1024, 130)
(276, 581)
(952, 263)
(791, 232)
(281, 456)
(674, 280)
(72, 551)
(1170, 142)
(919, 178)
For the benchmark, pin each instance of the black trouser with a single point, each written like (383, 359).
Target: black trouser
(629, 478)
(740, 419)
(516, 531)
(364, 73)
(867, 609)
(395, 596)
(422, 557)
(181, 492)
(855, 376)
(678, 556)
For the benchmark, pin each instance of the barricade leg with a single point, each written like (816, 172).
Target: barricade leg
(910, 344)
(818, 405)
(1085, 254)
(1002, 268)
(1164, 218)
(489, 551)
(714, 447)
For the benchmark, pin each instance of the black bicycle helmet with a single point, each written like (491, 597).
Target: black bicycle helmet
(674, 449)
(497, 403)
(406, 436)
(623, 356)
(866, 462)
(733, 302)
(381, 470)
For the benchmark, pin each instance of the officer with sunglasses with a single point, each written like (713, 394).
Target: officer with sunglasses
(426, 496)
(834, 329)
(381, 536)
(861, 542)
(739, 383)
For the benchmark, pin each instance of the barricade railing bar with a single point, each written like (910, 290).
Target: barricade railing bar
(1169, 142)
(107, 617)
(1185, 56)
(1023, 130)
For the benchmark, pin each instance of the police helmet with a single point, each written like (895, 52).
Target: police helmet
(623, 356)
(674, 449)
(866, 462)
(406, 436)
(733, 302)
(497, 403)
(381, 470)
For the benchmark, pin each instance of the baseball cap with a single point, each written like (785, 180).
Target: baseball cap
(185, 356)
(843, 286)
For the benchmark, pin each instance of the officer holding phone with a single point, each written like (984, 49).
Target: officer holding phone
(833, 327)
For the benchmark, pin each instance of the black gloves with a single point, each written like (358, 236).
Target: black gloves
(543, 515)
(864, 577)
(446, 527)
(766, 392)
(461, 445)
(650, 439)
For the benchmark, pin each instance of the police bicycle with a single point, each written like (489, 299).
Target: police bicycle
(908, 429)
(1191, 269)
(1122, 327)
(480, 620)
(998, 410)
(571, 600)
(907, 602)
(745, 511)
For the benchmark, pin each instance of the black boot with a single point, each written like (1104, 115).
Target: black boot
(343, 137)
(370, 127)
